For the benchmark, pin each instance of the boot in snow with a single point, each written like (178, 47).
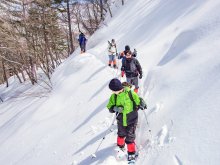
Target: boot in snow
(131, 158)
(115, 66)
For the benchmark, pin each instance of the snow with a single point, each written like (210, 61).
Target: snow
(178, 47)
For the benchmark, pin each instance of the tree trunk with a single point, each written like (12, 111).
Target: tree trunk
(70, 28)
(109, 10)
(47, 48)
(4, 73)
(16, 73)
(101, 10)
(22, 73)
(34, 72)
(31, 76)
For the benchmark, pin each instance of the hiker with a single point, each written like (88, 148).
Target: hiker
(82, 42)
(112, 53)
(132, 69)
(125, 103)
(123, 53)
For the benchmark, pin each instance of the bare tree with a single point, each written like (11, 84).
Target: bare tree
(31, 38)
(41, 33)
(70, 27)
(68, 13)
(4, 73)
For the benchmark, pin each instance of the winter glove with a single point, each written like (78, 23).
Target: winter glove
(122, 73)
(118, 109)
(111, 110)
(143, 104)
(142, 108)
(140, 76)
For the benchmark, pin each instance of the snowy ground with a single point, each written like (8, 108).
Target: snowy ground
(178, 48)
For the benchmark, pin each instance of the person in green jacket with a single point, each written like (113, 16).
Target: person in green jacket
(127, 115)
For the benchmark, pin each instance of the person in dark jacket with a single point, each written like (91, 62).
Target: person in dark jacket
(132, 69)
(127, 115)
(123, 53)
(82, 42)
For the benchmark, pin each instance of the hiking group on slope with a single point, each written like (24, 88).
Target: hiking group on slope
(130, 67)
(124, 101)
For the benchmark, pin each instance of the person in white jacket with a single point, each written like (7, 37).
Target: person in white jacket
(112, 53)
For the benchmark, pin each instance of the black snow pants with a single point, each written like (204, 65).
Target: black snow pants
(127, 131)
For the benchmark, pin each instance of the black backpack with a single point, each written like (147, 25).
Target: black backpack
(142, 105)
(134, 54)
(130, 67)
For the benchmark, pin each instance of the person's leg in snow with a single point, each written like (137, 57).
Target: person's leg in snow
(121, 135)
(127, 135)
(130, 141)
(114, 62)
(133, 81)
(110, 60)
(129, 80)
(83, 48)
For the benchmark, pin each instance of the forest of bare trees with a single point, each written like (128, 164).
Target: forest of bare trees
(40, 34)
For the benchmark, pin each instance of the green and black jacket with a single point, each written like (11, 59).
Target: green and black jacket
(129, 114)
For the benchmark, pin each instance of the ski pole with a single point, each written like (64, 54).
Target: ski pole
(147, 123)
(1, 99)
(103, 138)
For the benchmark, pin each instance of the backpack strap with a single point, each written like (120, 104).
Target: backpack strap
(131, 97)
(115, 98)
(109, 45)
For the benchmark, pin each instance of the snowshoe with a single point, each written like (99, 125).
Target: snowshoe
(132, 158)
(115, 67)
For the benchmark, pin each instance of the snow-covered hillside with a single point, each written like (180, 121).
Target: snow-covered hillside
(178, 47)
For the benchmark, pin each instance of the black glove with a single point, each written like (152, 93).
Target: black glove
(111, 110)
(116, 109)
(142, 108)
(140, 76)
(142, 105)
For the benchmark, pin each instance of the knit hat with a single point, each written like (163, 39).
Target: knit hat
(115, 85)
(127, 47)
